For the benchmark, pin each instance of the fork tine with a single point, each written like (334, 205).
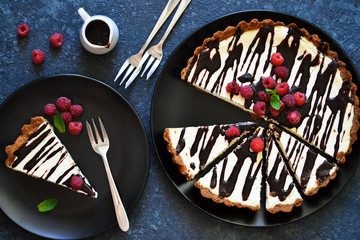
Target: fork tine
(153, 68)
(132, 77)
(131, 68)
(96, 132)
(151, 60)
(103, 131)
(123, 67)
(91, 136)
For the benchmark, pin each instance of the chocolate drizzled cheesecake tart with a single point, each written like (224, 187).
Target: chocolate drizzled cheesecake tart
(292, 80)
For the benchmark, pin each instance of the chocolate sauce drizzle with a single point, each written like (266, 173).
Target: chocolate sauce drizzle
(290, 51)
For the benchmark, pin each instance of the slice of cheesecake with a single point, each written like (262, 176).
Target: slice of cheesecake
(39, 153)
(241, 56)
(194, 148)
(236, 180)
(312, 170)
(281, 192)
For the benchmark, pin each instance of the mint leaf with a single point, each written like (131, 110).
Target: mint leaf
(275, 101)
(47, 205)
(270, 91)
(59, 122)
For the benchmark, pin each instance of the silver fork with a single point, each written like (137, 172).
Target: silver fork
(133, 61)
(101, 148)
(155, 53)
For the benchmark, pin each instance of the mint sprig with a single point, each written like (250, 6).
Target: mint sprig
(274, 98)
(47, 205)
(59, 122)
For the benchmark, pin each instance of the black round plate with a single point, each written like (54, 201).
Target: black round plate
(177, 104)
(76, 216)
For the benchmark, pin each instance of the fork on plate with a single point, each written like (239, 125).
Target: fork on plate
(155, 53)
(101, 147)
(132, 63)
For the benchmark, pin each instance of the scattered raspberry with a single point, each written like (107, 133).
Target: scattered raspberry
(294, 117)
(281, 72)
(50, 109)
(289, 100)
(76, 110)
(264, 96)
(56, 39)
(232, 132)
(233, 87)
(277, 59)
(246, 92)
(259, 108)
(38, 56)
(66, 117)
(63, 103)
(268, 82)
(282, 88)
(23, 30)
(76, 182)
(274, 112)
(299, 99)
(75, 128)
(257, 145)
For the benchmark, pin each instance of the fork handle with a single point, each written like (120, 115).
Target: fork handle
(121, 215)
(170, 6)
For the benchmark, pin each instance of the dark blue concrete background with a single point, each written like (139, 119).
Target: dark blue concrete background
(162, 212)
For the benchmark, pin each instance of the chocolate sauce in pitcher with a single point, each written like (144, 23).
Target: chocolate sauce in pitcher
(98, 32)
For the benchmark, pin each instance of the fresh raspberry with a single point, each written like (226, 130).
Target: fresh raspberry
(299, 99)
(294, 117)
(232, 132)
(264, 96)
(259, 108)
(268, 82)
(63, 103)
(76, 182)
(282, 88)
(75, 128)
(277, 59)
(274, 112)
(66, 117)
(56, 39)
(257, 145)
(76, 110)
(50, 109)
(289, 100)
(281, 72)
(233, 87)
(23, 30)
(282, 107)
(246, 92)
(38, 56)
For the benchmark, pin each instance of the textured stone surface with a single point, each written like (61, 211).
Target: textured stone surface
(162, 212)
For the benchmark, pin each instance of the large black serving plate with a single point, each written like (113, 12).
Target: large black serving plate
(76, 216)
(177, 104)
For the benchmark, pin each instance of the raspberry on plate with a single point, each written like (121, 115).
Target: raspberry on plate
(23, 30)
(274, 112)
(257, 145)
(50, 109)
(246, 92)
(268, 82)
(259, 108)
(264, 96)
(282, 88)
(289, 100)
(38, 56)
(294, 117)
(66, 117)
(232, 131)
(63, 103)
(76, 182)
(276, 59)
(75, 128)
(281, 72)
(233, 87)
(76, 110)
(56, 39)
(300, 99)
